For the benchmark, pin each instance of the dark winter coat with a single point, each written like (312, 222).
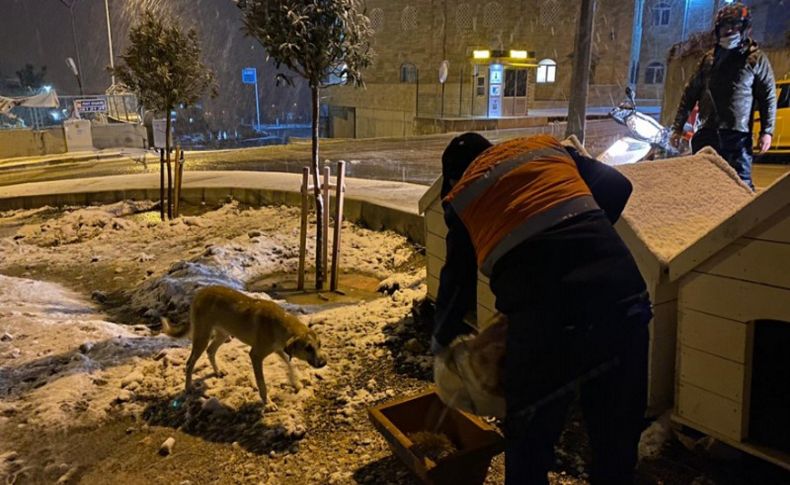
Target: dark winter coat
(579, 267)
(727, 84)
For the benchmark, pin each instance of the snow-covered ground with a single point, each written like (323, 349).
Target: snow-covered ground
(89, 389)
(65, 364)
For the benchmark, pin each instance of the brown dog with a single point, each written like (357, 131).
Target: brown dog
(218, 312)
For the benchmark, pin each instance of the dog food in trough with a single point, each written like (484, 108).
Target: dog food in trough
(440, 445)
(435, 446)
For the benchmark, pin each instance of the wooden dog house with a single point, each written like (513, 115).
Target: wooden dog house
(674, 203)
(733, 360)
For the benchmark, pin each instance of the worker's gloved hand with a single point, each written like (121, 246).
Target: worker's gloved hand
(469, 372)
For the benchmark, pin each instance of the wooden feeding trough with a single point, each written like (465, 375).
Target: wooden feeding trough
(475, 441)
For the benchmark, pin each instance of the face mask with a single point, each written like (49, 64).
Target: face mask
(730, 41)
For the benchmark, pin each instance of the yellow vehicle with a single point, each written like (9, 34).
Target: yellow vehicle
(781, 138)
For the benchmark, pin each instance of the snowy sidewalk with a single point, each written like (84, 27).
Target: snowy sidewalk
(72, 157)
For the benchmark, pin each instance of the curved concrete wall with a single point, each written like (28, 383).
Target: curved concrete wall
(363, 205)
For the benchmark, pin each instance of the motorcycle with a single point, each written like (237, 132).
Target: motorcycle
(648, 139)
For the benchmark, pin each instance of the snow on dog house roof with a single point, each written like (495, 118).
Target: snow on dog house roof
(675, 204)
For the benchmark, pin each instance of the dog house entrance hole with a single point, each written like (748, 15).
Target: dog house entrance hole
(769, 419)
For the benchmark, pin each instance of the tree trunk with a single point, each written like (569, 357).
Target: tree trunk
(580, 78)
(169, 170)
(319, 201)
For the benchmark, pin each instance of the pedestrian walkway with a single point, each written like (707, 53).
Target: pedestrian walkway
(70, 157)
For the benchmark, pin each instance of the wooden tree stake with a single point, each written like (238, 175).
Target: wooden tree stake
(325, 245)
(340, 189)
(303, 228)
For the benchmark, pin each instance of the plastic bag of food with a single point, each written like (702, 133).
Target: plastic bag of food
(469, 375)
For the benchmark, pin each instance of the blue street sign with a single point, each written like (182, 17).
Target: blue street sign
(249, 75)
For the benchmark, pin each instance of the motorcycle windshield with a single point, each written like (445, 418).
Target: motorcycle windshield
(624, 151)
(645, 127)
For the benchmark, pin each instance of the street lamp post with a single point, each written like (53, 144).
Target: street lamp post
(580, 77)
(70, 5)
(76, 72)
(109, 41)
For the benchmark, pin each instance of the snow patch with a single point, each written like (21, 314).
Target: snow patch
(678, 200)
(655, 437)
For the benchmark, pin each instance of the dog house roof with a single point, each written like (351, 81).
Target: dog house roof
(678, 200)
(684, 210)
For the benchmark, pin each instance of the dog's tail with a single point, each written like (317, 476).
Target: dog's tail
(173, 331)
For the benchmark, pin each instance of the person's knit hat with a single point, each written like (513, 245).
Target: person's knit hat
(459, 154)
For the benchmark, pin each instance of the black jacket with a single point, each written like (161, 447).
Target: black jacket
(727, 83)
(458, 279)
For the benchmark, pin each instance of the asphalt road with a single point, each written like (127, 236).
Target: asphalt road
(415, 160)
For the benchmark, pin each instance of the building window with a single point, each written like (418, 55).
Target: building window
(493, 15)
(547, 71)
(481, 85)
(464, 17)
(515, 82)
(408, 73)
(377, 20)
(550, 13)
(408, 19)
(654, 74)
(660, 14)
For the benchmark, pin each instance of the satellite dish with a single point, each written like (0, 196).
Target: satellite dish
(444, 70)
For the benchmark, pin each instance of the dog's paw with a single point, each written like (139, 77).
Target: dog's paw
(220, 373)
(270, 406)
(297, 386)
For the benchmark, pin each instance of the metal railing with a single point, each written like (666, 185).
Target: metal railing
(120, 108)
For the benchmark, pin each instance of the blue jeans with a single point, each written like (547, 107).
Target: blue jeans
(733, 146)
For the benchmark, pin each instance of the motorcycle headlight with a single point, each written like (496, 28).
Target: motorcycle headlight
(645, 127)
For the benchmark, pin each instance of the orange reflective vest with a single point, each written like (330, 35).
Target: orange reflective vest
(517, 189)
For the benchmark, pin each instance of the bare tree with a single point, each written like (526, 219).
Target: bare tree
(162, 65)
(322, 41)
(29, 79)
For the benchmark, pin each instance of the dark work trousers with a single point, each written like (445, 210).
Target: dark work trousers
(578, 309)
(613, 402)
(733, 146)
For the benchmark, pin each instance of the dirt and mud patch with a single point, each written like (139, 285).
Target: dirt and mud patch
(89, 389)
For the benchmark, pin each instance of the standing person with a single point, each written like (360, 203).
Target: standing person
(536, 218)
(727, 83)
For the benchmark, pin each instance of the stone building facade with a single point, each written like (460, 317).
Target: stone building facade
(414, 37)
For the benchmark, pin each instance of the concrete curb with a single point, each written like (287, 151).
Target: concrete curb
(374, 204)
(11, 164)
